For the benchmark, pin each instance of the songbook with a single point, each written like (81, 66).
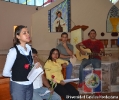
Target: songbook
(73, 60)
(71, 80)
(34, 73)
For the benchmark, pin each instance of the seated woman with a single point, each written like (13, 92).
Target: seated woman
(53, 67)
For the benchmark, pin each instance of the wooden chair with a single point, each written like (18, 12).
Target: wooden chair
(114, 42)
(105, 42)
(4, 89)
(67, 40)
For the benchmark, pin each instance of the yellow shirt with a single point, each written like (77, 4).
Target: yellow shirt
(54, 68)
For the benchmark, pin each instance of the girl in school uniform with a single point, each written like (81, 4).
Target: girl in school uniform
(18, 64)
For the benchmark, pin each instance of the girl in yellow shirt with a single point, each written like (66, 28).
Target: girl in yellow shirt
(53, 67)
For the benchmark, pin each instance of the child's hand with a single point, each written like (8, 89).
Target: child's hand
(38, 65)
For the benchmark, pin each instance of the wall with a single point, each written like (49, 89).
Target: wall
(92, 13)
(2, 63)
(13, 14)
(41, 38)
(83, 12)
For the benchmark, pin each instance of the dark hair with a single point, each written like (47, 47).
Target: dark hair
(17, 32)
(64, 33)
(51, 52)
(91, 31)
(58, 12)
(34, 51)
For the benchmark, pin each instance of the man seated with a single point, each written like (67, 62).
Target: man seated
(66, 52)
(95, 46)
(38, 84)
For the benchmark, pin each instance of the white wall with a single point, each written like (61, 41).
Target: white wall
(41, 38)
(92, 13)
(83, 12)
(13, 14)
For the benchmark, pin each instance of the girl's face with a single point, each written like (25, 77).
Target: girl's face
(24, 35)
(55, 55)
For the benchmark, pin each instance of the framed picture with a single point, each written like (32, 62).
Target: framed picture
(59, 17)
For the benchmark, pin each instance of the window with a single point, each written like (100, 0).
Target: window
(15, 1)
(32, 2)
(39, 2)
(114, 1)
(22, 1)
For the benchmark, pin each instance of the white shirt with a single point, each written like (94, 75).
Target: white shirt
(38, 82)
(11, 57)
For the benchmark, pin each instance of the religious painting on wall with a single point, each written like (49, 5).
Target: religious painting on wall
(59, 17)
(112, 22)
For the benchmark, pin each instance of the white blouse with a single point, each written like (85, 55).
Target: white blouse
(11, 57)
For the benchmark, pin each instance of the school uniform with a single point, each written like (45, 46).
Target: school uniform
(20, 87)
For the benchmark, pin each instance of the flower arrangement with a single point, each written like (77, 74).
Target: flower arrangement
(53, 85)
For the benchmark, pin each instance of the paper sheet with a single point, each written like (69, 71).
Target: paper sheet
(71, 80)
(34, 73)
(73, 60)
(46, 92)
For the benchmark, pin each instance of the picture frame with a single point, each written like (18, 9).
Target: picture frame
(59, 17)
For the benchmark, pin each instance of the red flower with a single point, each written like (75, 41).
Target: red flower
(53, 76)
(26, 66)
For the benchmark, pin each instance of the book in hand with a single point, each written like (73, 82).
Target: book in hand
(71, 80)
(33, 74)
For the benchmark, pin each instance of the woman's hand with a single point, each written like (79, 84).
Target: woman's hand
(51, 90)
(62, 82)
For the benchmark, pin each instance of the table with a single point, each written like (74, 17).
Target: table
(110, 75)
